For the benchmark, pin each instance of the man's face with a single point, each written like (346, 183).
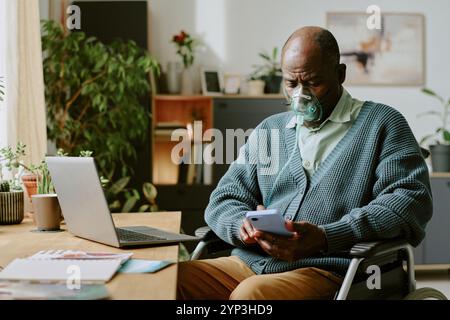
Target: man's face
(304, 64)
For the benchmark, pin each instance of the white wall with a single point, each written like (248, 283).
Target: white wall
(234, 31)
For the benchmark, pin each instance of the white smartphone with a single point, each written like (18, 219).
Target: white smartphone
(270, 221)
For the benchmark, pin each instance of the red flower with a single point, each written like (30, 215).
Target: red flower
(179, 38)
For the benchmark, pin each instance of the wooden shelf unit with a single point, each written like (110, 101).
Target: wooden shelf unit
(183, 110)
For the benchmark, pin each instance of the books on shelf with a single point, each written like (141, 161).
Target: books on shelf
(193, 169)
(165, 129)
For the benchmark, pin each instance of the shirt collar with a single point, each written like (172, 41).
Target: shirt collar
(341, 113)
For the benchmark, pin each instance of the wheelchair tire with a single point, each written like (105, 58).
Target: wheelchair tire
(424, 294)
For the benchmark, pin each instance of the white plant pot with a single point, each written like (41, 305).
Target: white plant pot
(255, 87)
(187, 81)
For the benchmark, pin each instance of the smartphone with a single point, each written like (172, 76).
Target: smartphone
(269, 221)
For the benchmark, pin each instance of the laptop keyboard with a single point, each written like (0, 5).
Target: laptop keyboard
(127, 235)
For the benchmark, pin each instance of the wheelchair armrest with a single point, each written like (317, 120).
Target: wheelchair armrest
(212, 241)
(377, 248)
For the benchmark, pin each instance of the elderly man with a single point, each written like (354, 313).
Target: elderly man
(349, 171)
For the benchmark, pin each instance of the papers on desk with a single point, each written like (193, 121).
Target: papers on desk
(65, 266)
(80, 255)
(38, 291)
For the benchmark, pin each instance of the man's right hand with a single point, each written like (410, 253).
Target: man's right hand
(247, 231)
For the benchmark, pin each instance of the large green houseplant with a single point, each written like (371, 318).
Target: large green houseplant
(439, 140)
(93, 93)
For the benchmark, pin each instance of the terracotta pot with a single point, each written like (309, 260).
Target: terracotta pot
(30, 183)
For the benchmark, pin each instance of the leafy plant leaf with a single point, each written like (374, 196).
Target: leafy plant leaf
(129, 204)
(446, 135)
(144, 208)
(429, 113)
(432, 93)
(115, 205)
(119, 185)
(149, 191)
(265, 56)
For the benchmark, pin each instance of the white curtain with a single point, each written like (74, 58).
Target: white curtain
(22, 114)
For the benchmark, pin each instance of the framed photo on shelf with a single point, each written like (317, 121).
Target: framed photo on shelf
(392, 55)
(232, 83)
(212, 82)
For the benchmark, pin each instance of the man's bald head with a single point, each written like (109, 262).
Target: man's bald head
(316, 37)
(310, 58)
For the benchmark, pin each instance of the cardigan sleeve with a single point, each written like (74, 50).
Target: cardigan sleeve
(402, 201)
(236, 193)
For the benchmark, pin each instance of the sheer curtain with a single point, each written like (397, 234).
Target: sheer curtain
(22, 113)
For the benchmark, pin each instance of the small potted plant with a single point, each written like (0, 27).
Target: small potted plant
(11, 193)
(11, 202)
(440, 139)
(47, 213)
(269, 72)
(12, 160)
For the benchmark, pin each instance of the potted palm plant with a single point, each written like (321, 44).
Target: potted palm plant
(440, 138)
(269, 71)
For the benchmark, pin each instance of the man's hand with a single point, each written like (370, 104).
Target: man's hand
(247, 231)
(308, 240)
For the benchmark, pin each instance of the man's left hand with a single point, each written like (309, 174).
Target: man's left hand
(308, 240)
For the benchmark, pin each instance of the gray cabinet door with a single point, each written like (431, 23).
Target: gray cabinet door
(437, 240)
(232, 113)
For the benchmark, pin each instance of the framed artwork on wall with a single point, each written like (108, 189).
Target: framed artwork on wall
(392, 55)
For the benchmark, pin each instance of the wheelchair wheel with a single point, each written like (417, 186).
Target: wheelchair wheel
(425, 294)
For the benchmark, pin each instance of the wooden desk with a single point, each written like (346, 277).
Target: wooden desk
(18, 241)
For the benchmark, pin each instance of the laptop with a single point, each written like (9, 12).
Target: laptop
(86, 210)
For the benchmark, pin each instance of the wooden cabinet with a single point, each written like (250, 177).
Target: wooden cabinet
(169, 113)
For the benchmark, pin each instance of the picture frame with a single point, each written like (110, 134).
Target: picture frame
(232, 83)
(391, 56)
(212, 82)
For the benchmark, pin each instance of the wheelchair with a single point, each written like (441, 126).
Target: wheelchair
(394, 258)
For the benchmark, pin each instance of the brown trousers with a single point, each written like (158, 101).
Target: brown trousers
(230, 278)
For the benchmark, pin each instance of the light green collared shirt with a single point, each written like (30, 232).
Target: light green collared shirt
(317, 143)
